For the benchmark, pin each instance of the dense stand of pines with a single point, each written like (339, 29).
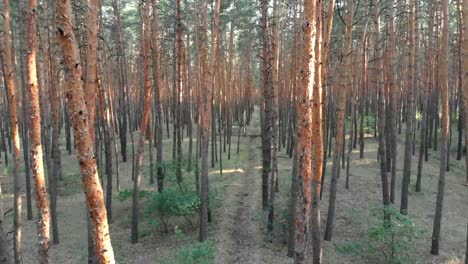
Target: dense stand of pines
(101, 80)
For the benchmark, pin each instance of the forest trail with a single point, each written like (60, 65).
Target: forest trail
(239, 238)
(239, 232)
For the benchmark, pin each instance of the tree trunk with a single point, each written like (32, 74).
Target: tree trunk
(178, 109)
(340, 122)
(317, 139)
(24, 127)
(84, 144)
(304, 135)
(122, 80)
(444, 90)
(37, 164)
(274, 112)
(12, 103)
(208, 78)
(146, 114)
(266, 84)
(465, 79)
(381, 106)
(4, 245)
(409, 113)
(391, 125)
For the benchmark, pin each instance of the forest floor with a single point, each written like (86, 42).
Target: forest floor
(237, 232)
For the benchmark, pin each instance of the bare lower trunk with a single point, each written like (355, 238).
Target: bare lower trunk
(4, 245)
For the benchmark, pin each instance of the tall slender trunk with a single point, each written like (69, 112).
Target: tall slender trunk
(157, 97)
(55, 111)
(444, 91)
(381, 105)
(392, 104)
(345, 80)
(266, 86)
(409, 113)
(274, 112)
(465, 78)
(179, 84)
(304, 135)
(208, 78)
(24, 128)
(12, 104)
(424, 109)
(37, 164)
(317, 138)
(122, 80)
(145, 36)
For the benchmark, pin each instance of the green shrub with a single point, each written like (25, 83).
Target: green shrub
(173, 202)
(198, 253)
(388, 240)
(352, 249)
(392, 239)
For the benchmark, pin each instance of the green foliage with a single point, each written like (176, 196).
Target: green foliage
(369, 122)
(191, 253)
(197, 253)
(127, 193)
(393, 239)
(173, 202)
(351, 249)
(389, 239)
(200, 253)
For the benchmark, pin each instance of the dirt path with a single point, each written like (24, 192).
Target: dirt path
(239, 238)
(239, 233)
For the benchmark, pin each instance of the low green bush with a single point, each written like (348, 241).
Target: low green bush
(389, 240)
(199, 253)
(172, 202)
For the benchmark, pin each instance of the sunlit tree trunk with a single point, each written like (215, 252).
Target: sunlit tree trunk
(317, 139)
(24, 126)
(84, 144)
(37, 164)
(304, 134)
